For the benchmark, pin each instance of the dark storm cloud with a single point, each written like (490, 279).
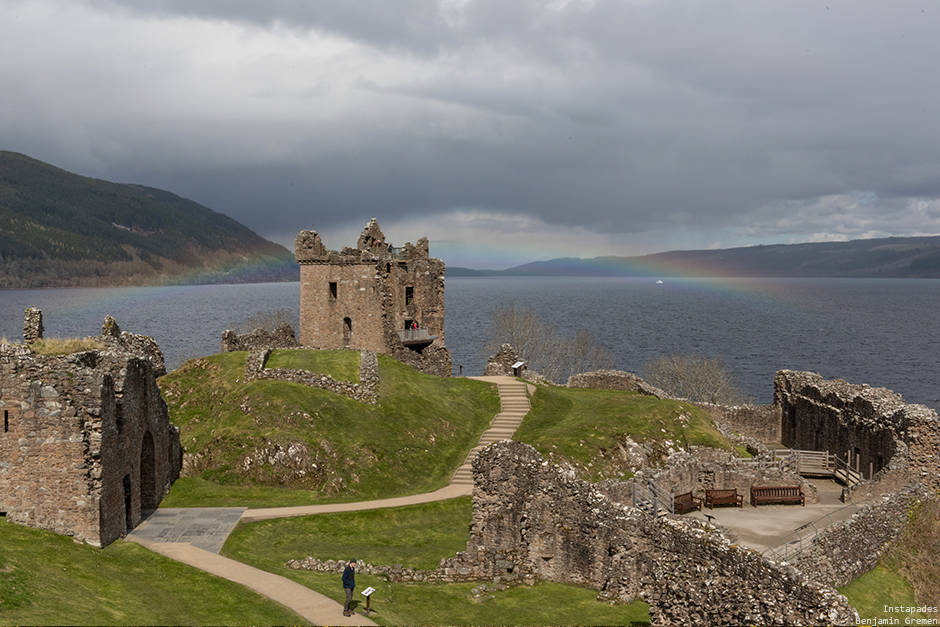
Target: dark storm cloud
(677, 124)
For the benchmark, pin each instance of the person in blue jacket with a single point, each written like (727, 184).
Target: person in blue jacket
(349, 584)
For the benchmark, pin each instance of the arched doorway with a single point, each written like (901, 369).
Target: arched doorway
(148, 474)
(128, 510)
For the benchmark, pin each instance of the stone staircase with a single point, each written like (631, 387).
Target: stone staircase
(515, 405)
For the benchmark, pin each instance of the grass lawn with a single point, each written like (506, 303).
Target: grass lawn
(341, 365)
(411, 442)
(870, 593)
(417, 536)
(48, 579)
(587, 427)
(452, 604)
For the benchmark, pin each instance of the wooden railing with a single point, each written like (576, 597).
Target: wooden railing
(653, 498)
(844, 472)
(420, 334)
(809, 463)
(815, 463)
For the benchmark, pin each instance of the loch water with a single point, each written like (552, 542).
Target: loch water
(883, 332)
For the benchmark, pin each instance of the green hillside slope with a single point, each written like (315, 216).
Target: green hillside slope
(49, 579)
(892, 257)
(593, 429)
(272, 443)
(59, 229)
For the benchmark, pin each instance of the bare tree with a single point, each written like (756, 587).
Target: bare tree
(586, 353)
(545, 349)
(696, 378)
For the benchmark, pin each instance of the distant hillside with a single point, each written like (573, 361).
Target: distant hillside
(59, 229)
(895, 257)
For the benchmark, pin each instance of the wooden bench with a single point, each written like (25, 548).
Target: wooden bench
(723, 497)
(777, 494)
(686, 502)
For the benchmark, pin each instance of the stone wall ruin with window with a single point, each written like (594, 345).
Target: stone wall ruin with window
(87, 443)
(892, 444)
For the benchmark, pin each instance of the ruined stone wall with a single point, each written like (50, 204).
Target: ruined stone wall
(32, 326)
(846, 550)
(365, 391)
(761, 422)
(359, 299)
(74, 428)
(500, 364)
(140, 444)
(259, 339)
(434, 359)
(140, 345)
(892, 444)
(711, 469)
(49, 429)
(922, 437)
(614, 380)
(533, 519)
(413, 268)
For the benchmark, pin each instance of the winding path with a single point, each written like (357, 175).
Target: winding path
(195, 536)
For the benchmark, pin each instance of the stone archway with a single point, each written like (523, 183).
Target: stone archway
(128, 504)
(149, 499)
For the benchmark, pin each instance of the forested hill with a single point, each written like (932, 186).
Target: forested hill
(59, 229)
(894, 257)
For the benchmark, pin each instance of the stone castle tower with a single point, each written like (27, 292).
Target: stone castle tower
(375, 297)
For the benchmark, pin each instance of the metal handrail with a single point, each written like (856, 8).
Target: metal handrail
(803, 537)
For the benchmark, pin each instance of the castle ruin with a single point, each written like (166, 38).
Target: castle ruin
(374, 297)
(87, 442)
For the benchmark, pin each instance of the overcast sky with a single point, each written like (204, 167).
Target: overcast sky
(504, 131)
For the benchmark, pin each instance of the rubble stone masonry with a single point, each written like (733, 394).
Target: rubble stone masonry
(365, 391)
(86, 442)
(535, 521)
(848, 549)
(893, 444)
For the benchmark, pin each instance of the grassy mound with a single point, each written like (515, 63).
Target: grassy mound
(48, 579)
(341, 365)
(288, 437)
(60, 346)
(589, 428)
(417, 536)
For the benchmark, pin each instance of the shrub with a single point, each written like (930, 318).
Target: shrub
(546, 350)
(268, 320)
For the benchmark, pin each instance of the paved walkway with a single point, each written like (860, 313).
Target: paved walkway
(764, 526)
(313, 606)
(514, 402)
(263, 513)
(195, 536)
(203, 527)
